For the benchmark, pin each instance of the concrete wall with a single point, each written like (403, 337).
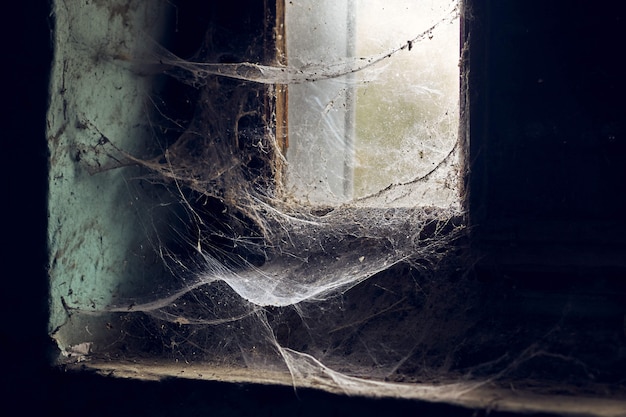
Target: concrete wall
(102, 220)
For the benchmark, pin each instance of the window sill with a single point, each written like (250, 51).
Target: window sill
(524, 397)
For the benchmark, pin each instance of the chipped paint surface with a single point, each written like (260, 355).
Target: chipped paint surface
(95, 234)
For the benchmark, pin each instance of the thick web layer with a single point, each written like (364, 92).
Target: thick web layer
(355, 292)
(259, 262)
(264, 277)
(348, 280)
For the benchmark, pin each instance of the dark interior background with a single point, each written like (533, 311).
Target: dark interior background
(548, 145)
(547, 201)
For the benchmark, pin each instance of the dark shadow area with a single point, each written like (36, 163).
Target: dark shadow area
(548, 142)
(24, 343)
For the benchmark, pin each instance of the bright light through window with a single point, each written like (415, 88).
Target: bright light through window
(384, 134)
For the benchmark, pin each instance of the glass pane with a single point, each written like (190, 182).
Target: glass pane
(390, 123)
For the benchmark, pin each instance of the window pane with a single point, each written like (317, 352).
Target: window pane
(389, 123)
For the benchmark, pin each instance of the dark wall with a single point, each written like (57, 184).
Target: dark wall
(23, 335)
(548, 134)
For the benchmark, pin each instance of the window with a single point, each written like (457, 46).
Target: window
(226, 211)
(391, 120)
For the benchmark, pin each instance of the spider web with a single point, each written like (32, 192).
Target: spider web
(356, 292)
